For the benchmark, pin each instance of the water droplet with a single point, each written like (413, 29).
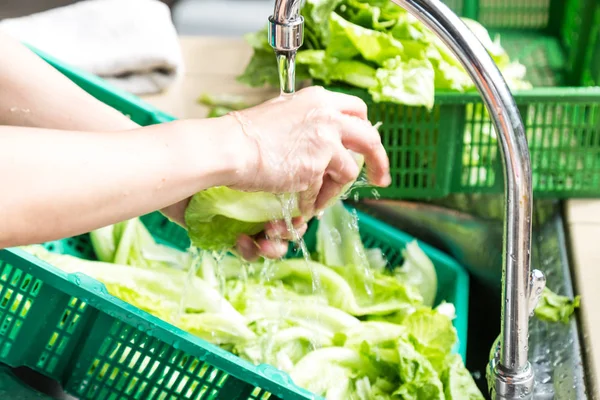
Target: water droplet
(75, 279)
(176, 344)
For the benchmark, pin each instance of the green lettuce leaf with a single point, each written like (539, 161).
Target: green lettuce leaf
(410, 83)
(331, 372)
(339, 246)
(378, 46)
(349, 40)
(130, 243)
(216, 217)
(158, 291)
(432, 334)
(419, 379)
(418, 270)
(329, 69)
(556, 308)
(458, 381)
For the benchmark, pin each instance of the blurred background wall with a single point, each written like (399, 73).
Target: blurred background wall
(191, 17)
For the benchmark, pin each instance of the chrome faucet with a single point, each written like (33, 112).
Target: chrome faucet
(511, 373)
(286, 36)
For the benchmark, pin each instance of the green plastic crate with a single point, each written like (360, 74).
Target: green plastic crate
(559, 42)
(427, 151)
(67, 327)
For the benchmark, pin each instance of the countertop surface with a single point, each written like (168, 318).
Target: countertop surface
(211, 65)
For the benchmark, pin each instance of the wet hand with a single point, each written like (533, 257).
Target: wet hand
(302, 144)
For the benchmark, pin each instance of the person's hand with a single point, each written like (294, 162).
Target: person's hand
(301, 144)
(298, 144)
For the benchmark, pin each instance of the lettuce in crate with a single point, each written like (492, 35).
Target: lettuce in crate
(366, 331)
(379, 47)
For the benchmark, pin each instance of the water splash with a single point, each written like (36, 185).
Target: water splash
(287, 204)
(195, 262)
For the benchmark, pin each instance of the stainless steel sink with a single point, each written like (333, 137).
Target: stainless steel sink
(469, 228)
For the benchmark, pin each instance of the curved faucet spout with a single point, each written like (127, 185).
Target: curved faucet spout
(513, 375)
(286, 10)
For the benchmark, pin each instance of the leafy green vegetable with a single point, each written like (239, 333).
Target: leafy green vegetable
(364, 332)
(409, 83)
(378, 46)
(432, 335)
(220, 105)
(130, 243)
(330, 372)
(556, 308)
(458, 381)
(230, 101)
(216, 217)
(340, 248)
(348, 40)
(158, 291)
(419, 271)
(330, 70)
(420, 380)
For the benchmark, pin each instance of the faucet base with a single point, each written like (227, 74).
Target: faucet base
(504, 384)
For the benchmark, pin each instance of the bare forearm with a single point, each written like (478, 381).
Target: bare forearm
(34, 94)
(62, 183)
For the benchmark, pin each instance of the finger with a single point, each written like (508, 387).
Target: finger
(307, 199)
(360, 136)
(329, 191)
(349, 105)
(300, 231)
(272, 248)
(247, 248)
(176, 212)
(279, 229)
(343, 103)
(341, 172)
(342, 167)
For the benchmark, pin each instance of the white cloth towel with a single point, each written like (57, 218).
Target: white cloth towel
(132, 44)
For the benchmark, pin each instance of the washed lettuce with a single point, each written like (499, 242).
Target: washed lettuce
(130, 243)
(158, 291)
(377, 46)
(553, 307)
(419, 271)
(340, 247)
(458, 381)
(332, 372)
(344, 325)
(405, 82)
(216, 217)
(414, 360)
